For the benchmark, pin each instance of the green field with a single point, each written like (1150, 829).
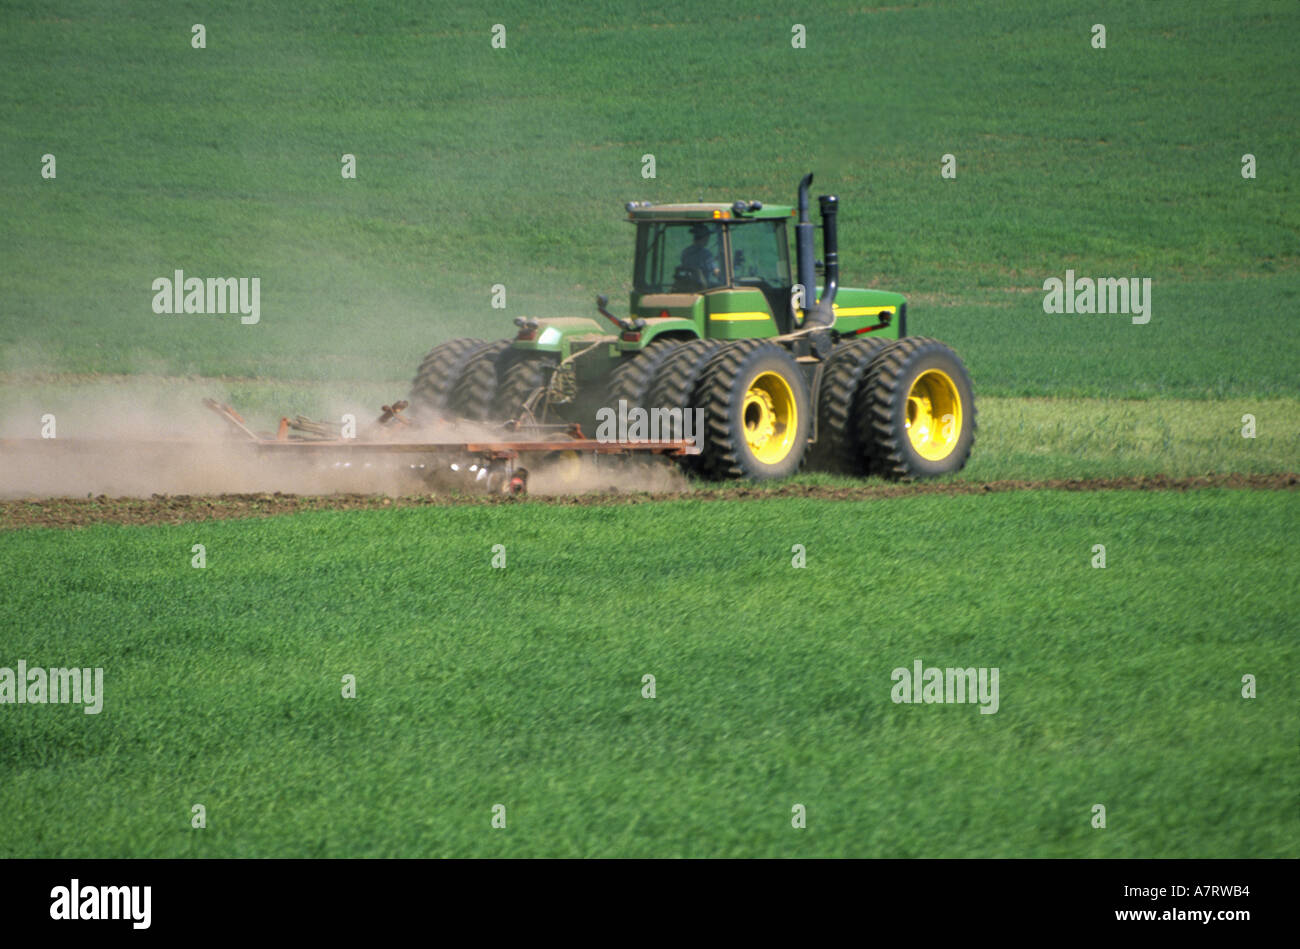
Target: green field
(478, 166)
(522, 686)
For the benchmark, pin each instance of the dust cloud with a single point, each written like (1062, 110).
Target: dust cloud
(139, 438)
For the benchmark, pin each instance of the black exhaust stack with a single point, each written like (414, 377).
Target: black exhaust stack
(803, 247)
(817, 312)
(825, 313)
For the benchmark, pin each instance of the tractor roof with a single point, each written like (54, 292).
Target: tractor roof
(645, 211)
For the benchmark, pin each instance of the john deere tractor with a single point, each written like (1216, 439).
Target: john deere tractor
(789, 372)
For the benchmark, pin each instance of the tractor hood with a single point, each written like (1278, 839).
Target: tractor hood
(554, 334)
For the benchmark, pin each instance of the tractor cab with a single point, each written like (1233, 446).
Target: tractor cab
(735, 259)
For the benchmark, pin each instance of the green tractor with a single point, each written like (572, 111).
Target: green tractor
(788, 373)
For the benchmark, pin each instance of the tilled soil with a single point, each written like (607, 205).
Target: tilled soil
(180, 509)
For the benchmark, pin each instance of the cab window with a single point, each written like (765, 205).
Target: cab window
(759, 254)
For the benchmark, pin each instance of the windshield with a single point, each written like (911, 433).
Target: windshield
(691, 256)
(679, 257)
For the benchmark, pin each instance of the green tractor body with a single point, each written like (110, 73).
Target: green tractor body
(720, 319)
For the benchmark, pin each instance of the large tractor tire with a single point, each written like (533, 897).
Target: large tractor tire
(839, 447)
(474, 395)
(438, 374)
(678, 378)
(757, 412)
(916, 410)
(519, 381)
(633, 378)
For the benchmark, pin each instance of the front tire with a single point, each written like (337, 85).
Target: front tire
(916, 411)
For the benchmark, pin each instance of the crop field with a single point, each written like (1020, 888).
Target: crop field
(478, 685)
(1120, 550)
(479, 166)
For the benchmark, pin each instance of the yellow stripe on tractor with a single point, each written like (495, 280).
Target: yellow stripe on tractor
(855, 310)
(729, 317)
(861, 310)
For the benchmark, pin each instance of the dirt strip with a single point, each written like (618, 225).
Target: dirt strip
(180, 509)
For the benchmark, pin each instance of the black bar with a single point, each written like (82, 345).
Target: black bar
(334, 898)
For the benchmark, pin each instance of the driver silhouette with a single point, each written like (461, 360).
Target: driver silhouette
(699, 257)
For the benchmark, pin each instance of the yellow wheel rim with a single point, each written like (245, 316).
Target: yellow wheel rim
(934, 415)
(770, 417)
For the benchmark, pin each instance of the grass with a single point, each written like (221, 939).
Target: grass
(1037, 439)
(479, 166)
(522, 686)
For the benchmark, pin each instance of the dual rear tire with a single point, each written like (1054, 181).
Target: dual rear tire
(751, 405)
(438, 375)
(463, 379)
(757, 412)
